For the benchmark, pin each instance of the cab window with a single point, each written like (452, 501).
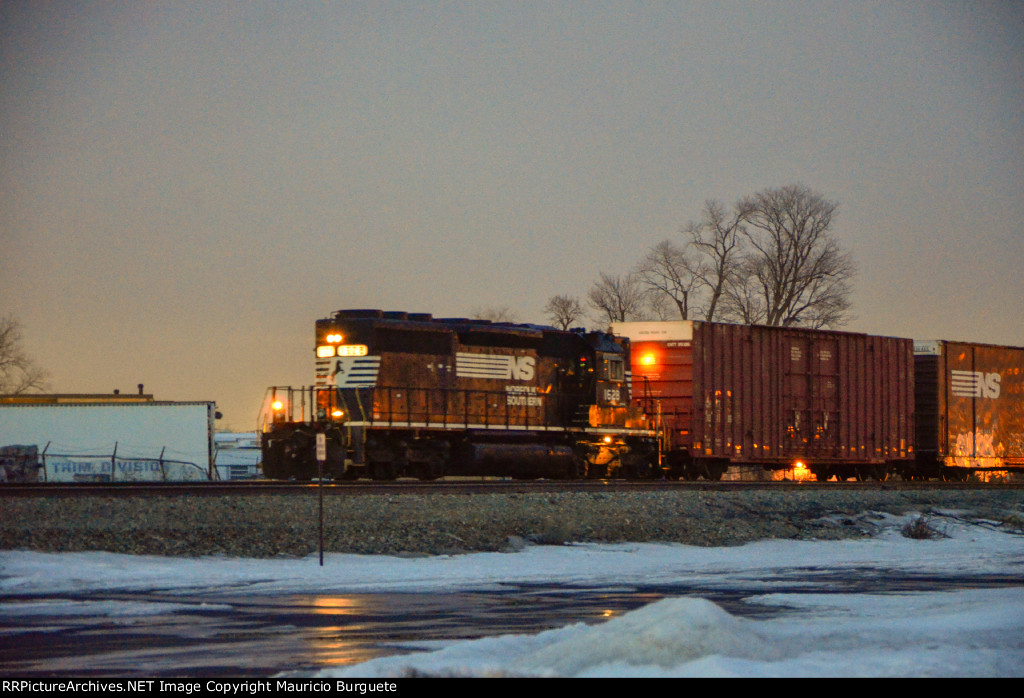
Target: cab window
(613, 369)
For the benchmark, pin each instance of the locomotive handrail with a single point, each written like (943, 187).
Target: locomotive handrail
(497, 408)
(406, 400)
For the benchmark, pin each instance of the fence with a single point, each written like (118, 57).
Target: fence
(25, 464)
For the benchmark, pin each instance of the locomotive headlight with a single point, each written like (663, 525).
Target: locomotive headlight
(325, 351)
(334, 338)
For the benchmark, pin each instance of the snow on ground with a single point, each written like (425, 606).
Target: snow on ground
(966, 632)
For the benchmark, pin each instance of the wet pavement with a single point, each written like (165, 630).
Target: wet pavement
(153, 634)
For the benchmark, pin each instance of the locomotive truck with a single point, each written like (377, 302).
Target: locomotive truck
(408, 395)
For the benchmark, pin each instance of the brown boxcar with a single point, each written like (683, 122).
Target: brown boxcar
(970, 408)
(839, 403)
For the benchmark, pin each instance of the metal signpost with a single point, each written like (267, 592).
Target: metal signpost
(321, 456)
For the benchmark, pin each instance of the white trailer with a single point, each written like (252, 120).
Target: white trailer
(110, 441)
(238, 455)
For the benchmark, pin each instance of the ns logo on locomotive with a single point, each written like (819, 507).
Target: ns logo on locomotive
(409, 395)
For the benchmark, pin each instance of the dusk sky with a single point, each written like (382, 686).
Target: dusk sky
(186, 187)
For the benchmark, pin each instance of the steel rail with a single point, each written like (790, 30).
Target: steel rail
(461, 486)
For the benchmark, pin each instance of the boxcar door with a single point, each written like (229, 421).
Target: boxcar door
(824, 399)
(796, 395)
(811, 397)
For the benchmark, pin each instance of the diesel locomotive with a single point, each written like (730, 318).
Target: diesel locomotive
(409, 395)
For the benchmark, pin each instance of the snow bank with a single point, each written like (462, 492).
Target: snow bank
(969, 633)
(821, 631)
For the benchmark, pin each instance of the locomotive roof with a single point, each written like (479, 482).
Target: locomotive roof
(428, 321)
(482, 331)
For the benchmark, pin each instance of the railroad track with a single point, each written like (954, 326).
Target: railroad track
(459, 486)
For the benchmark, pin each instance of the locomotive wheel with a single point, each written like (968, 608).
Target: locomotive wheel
(430, 471)
(629, 472)
(578, 469)
(273, 471)
(574, 470)
(383, 470)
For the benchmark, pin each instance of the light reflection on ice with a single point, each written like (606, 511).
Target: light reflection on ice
(839, 627)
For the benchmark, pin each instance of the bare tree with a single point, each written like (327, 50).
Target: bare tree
(617, 298)
(770, 259)
(564, 311)
(695, 277)
(794, 271)
(658, 306)
(667, 273)
(717, 239)
(741, 300)
(495, 314)
(18, 374)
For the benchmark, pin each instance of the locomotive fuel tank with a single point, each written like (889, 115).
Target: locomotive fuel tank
(518, 460)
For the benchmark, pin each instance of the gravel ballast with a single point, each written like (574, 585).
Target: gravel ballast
(431, 524)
